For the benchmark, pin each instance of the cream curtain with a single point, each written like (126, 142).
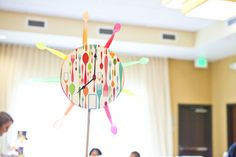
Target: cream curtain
(17, 64)
(20, 63)
(159, 105)
(154, 80)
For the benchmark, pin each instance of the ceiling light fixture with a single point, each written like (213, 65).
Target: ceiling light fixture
(232, 66)
(210, 9)
(207, 9)
(174, 4)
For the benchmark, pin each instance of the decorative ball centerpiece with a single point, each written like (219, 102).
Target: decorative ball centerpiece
(92, 76)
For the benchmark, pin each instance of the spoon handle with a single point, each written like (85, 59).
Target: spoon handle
(115, 30)
(109, 41)
(85, 29)
(113, 127)
(58, 123)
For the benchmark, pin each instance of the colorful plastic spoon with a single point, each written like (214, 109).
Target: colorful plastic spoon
(115, 30)
(55, 52)
(58, 123)
(85, 30)
(113, 127)
(143, 60)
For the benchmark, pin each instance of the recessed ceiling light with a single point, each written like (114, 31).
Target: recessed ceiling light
(210, 9)
(207, 9)
(232, 66)
(175, 4)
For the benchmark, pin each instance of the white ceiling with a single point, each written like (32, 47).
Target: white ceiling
(135, 12)
(149, 13)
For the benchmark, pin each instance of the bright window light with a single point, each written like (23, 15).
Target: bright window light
(38, 106)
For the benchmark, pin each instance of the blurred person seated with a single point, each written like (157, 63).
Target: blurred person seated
(134, 154)
(232, 150)
(95, 152)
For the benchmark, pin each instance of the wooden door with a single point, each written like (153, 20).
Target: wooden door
(231, 114)
(195, 130)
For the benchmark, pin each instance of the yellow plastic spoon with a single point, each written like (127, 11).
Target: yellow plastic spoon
(42, 46)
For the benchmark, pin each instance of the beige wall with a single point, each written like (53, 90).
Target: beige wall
(215, 85)
(73, 27)
(187, 85)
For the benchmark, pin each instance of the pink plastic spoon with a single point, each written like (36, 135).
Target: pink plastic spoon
(113, 127)
(115, 30)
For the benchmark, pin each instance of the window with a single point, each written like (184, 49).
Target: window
(38, 106)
